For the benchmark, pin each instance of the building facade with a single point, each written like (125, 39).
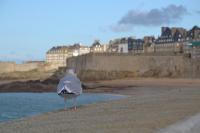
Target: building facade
(171, 35)
(98, 48)
(123, 48)
(79, 49)
(175, 39)
(194, 34)
(135, 45)
(58, 55)
(126, 45)
(117, 45)
(148, 41)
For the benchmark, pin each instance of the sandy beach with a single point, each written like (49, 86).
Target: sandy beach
(151, 105)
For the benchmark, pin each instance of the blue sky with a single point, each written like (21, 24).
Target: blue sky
(28, 28)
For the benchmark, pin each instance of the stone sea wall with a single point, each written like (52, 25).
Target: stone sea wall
(114, 66)
(9, 67)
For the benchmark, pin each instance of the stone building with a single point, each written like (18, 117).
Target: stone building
(171, 35)
(175, 39)
(97, 47)
(79, 49)
(118, 45)
(123, 48)
(148, 41)
(113, 48)
(170, 48)
(194, 34)
(126, 45)
(171, 40)
(58, 55)
(135, 45)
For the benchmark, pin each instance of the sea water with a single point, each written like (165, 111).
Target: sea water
(20, 105)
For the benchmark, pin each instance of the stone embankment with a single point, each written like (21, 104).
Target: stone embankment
(116, 66)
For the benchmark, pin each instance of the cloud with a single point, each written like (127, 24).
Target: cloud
(154, 17)
(121, 27)
(198, 12)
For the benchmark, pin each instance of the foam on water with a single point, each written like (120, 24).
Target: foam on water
(19, 105)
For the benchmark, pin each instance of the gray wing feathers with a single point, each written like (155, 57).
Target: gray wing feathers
(70, 83)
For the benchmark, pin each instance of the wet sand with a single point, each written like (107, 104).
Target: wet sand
(151, 104)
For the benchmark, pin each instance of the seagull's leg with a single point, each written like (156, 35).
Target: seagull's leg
(65, 101)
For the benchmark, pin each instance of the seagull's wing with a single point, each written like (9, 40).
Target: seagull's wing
(70, 83)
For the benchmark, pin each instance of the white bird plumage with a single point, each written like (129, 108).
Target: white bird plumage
(69, 87)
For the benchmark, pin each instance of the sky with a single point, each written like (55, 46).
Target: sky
(29, 28)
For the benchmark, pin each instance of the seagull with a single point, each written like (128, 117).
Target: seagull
(69, 87)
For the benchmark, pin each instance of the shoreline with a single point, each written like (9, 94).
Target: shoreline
(152, 104)
(37, 86)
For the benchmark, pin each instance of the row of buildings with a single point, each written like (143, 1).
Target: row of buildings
(58, 55)
(173, 40)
